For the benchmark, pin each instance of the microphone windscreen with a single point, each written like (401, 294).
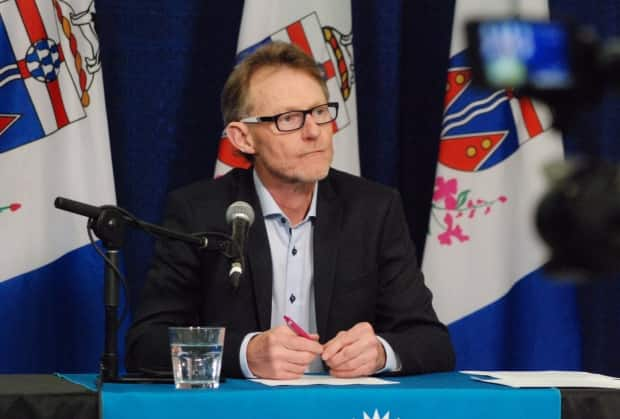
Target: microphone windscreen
(240, 209)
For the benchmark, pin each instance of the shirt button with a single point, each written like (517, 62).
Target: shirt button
(282, 220)
(294, 251)
(292, 298)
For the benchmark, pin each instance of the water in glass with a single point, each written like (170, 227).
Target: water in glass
(196, 365)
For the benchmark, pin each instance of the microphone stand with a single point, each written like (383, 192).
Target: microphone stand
(109, 224)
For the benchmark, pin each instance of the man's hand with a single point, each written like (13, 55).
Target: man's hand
(279, 353)
(354, 353)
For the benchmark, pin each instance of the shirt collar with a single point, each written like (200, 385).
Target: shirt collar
(270, 207)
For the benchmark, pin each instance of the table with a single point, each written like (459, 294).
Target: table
(48, 396)
(441, 395)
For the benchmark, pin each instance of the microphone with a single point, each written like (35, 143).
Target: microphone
(241, 215)
(77, 207)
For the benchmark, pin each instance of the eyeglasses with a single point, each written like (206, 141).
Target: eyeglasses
(294, 120)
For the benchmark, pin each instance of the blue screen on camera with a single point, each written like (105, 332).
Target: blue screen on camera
(518, 53)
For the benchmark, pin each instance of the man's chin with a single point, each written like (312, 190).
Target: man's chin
(304, 175)
(314, 175)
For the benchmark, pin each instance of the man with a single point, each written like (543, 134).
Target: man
(330, 250)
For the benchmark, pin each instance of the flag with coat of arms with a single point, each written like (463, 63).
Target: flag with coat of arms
(483, 255)
(53, 142)
(321, 28)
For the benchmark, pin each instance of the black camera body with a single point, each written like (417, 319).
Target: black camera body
(579, 218)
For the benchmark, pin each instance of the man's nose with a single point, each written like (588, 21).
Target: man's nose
(311, 129)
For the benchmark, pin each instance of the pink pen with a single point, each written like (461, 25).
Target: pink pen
(296, 328)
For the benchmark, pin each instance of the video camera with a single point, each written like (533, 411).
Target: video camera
(569, 68)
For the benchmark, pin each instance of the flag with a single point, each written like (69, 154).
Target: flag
(483, 256)
(53, 142)
(321, 28)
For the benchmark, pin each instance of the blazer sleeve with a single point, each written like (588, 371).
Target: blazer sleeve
(174, 295)
(405, 317)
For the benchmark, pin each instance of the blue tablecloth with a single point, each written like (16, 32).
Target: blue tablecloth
(445, 395)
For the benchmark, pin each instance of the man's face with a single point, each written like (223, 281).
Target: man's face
(304, 155)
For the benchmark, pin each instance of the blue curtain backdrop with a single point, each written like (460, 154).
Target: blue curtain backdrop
(165, 63)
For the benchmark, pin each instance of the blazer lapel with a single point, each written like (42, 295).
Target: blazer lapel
(326, 238)
(258, 254)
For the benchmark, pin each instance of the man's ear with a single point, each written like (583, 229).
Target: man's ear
(240, 137)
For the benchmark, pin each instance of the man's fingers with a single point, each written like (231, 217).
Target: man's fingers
(291, 349)
(296, 369)
(335, 345)
(367, 357)
(290, 340)
(346, 338)
(302, 358)
(354, 353)
(347, 353)
(297, 343)
(279, 353)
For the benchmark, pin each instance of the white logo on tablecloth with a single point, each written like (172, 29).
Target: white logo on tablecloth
(376, 415)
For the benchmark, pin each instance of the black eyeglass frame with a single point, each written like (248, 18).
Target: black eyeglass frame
(274, 118)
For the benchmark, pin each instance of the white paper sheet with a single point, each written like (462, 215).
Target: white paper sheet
(309, 380)
(545, 379)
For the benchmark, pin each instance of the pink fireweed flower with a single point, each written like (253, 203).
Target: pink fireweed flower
(446, 191)
(451, 231)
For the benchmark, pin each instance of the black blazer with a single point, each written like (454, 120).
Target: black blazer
(365, 269)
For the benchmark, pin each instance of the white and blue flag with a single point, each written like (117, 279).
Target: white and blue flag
(53, 142)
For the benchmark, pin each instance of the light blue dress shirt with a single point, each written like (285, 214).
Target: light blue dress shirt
(293, 272)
